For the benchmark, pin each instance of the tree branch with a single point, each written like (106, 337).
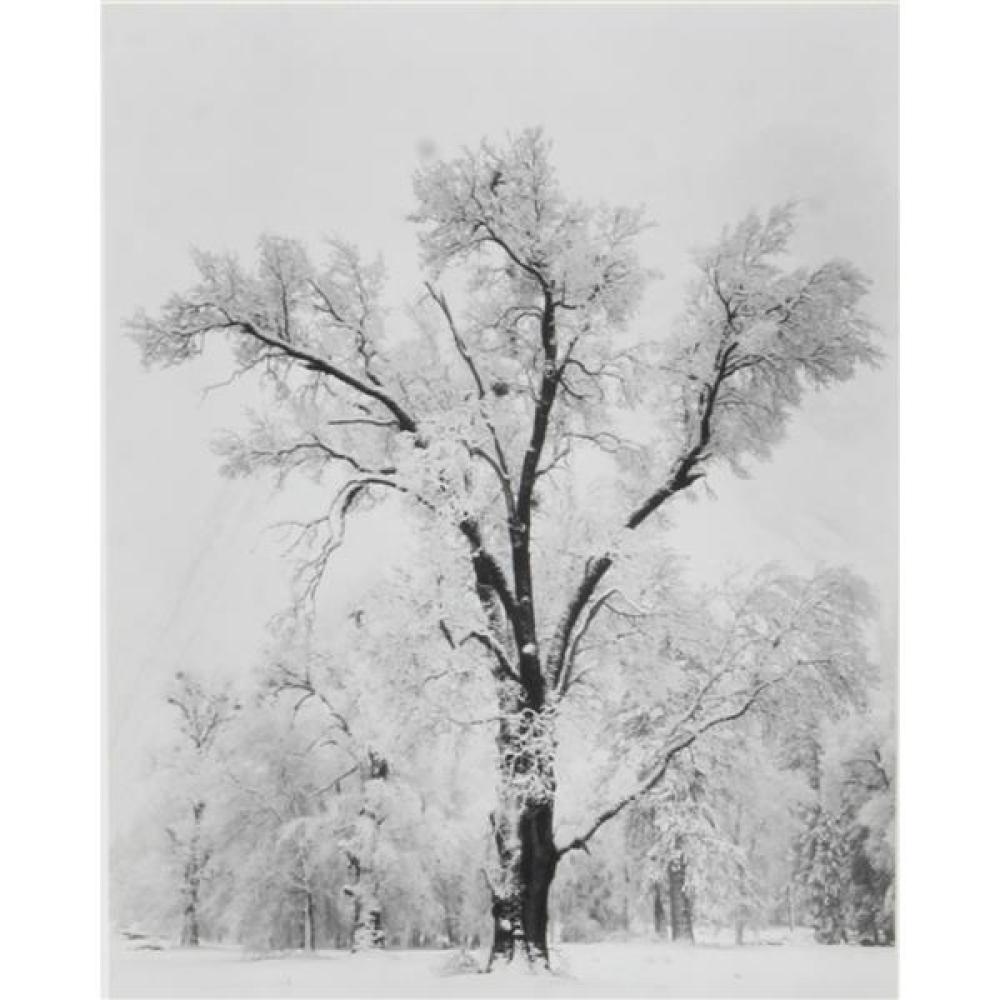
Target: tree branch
(686, 470)
(593, 572)
(489, 575)
(313, 362)
(660, 770)
(685, 473)
(504, 668)
(561, 680)
(442, 304)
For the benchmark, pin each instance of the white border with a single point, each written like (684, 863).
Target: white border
(51, 692)
(949, 500)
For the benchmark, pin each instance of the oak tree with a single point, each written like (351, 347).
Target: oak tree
(481, 413)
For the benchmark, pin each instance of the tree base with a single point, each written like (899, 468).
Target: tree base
(518, 966)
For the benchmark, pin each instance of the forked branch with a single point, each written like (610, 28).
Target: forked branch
(660, 770)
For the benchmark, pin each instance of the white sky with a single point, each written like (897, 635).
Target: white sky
(221, 123)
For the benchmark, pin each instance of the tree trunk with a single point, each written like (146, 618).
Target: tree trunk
(626, 916)
(520, 907)
(522, 832)
(367, 926)
(659, 914)
(681, 922)
(189, 932)
(308, 922)
(366, 923)
(538, 868)
(193, 866)
(742, 909)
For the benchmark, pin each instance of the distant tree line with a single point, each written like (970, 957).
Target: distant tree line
(276, 823)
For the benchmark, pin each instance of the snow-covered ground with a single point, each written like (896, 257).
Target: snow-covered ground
(607, 969)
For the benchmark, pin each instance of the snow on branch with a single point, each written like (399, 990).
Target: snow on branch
(264, 316)
(324, 535)
(785, 635)
(660, 770)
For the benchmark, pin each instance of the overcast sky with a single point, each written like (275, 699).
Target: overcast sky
(222, 123)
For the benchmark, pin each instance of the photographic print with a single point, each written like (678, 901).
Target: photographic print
(501, 499)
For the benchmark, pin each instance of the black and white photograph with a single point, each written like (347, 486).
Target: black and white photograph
(501, 499)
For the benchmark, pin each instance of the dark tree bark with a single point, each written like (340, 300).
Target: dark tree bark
(523, 831)
(521, 909)
(538, 868)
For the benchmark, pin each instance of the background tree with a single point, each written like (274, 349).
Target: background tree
(350, 845)
(733, 810)
(845, 848)
(202, 715)
(687, 739)
(281, 854)
(475, 419)
(294, 673)
(288, 805)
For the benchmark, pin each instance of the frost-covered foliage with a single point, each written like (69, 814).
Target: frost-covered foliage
(756, 847)
(298, 815)
(444, 408)
(696, 707)
(306, 829)
(728, 814)
(763, 335)
(486, 410)
(168, 875)
(845, 849)
(340, 787)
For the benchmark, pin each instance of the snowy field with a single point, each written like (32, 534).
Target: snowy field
(607, 969)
